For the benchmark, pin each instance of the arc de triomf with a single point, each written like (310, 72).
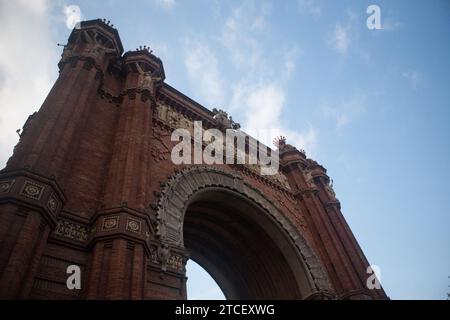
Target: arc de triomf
(91, 183)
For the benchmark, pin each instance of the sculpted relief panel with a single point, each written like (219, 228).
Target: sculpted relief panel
(175, 119)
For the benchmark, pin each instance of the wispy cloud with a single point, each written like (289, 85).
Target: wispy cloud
(73, 15)
(165, 4)
(30, 79)
(311, 7)
(201, 64)
(346, 111)
(289, 60)
(255, 95)
(238, 34)
(258, 91)
(340, 39)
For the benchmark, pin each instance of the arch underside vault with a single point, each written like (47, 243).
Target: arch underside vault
(238, 235)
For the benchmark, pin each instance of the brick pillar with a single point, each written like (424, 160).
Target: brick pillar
(124, 229)
(120, 250)
(30, 197)
(29, 205)
(129, 171)
(333, 240)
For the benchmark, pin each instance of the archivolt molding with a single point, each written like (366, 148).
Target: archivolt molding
(178, 189)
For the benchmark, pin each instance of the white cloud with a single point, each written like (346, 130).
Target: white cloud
(340, 39)
(27, 66)
(201, 64)
(289, 60)
(310, 7)
(238, 35)
(259, 94)
(263, 108)
(264, 105)
(346, 111)
(73, 15)
(165, 4)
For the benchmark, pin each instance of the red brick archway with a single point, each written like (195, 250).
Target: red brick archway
(91, 184)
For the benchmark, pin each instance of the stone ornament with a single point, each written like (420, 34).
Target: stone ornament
(133, 225)
(310, 180)
(71, 230)
(147, 80)
(175, 262)
(224, 120)
(154, 255)
(173, 118)
(53, 203)
(96, 48)
(110, 223)
(329, 189)
(277, 178)
(32, 190)
(163, 256)
(5, 186)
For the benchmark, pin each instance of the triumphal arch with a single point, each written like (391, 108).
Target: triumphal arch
(91, 184)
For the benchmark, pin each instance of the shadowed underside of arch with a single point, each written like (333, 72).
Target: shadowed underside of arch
(238, 235)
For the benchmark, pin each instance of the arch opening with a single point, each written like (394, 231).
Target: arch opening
(242, 247)
(200, 284)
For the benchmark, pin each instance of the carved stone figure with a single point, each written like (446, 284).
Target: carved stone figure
(224, 120)
(329, 189)
(163, 255)
(147, 80)
(310, 180)
(95, 48)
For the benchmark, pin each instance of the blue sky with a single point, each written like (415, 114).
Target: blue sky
(372, 106)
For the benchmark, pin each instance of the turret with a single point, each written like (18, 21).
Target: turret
(333, 239)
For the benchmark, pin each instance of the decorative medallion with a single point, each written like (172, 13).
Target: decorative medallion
(53, 203)
(110, 223)
(5, 186)
(32, 190)
(133, 225)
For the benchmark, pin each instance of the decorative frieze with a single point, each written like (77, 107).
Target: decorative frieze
(71, 230)
(173, 118)
(165, 257)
